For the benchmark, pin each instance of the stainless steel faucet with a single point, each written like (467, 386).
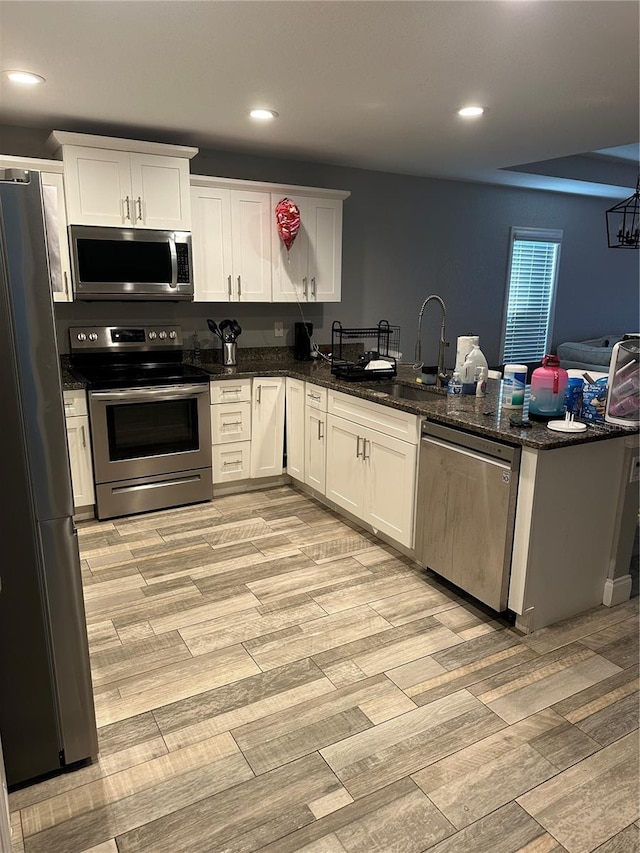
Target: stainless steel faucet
(442, 343)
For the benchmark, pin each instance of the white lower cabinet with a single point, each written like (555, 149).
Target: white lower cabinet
(373, 476)
(295, 428)
(231, 429)
(79, 445)
(315, 449)
(231, 461)
(267, 426)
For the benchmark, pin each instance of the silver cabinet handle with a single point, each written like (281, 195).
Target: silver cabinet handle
(227, 463)
(229, 285)
(84, 436)
(320, 431)
(231, 423)
(364, 451)
(66, 283)
(239, 286)
(313, 396)
(358, 440)
(259, 394)
(304, 286)
(128, 207)
(313, 286)
(139, 203)
(235, 390)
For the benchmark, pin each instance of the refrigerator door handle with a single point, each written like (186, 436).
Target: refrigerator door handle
(69, 644)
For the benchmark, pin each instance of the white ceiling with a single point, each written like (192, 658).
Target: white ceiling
(374, 85)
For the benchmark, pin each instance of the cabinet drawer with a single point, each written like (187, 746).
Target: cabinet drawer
(231, 461)
(391, 422)
(231, 391)
(230, 422)
(315, 396)
(75, 403)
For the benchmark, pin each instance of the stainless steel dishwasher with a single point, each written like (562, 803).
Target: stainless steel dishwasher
(466, 504)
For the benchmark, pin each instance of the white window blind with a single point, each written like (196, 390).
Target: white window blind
(531, 286)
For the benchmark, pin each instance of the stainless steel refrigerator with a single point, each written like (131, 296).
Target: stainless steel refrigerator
(47, 717)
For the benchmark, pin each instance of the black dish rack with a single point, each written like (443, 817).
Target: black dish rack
(387, 341)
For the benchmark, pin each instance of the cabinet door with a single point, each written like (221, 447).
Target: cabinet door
(55, 216)
(290, 269)
(231, 461)
(211, 244)
(345, 468)
(390, 485)
(230, 422)
(80, 459)
(315, 456)
(161, 193)
(251, 242)
(98, 186)
(295, 428)
(267, 427)
(324, 228)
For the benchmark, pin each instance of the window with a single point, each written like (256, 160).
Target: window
(532, 276)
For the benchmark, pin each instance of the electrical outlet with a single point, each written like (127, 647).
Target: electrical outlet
(634, 470)
(278, 329)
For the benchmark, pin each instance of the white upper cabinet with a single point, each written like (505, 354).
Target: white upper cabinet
(238, 255)
(122, 182)
(56, 228)
(231, 245)
(312, 270)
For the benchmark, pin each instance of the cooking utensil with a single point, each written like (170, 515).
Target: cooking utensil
(213, 327)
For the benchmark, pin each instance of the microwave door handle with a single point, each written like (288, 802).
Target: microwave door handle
(174, 262)
(170, 392)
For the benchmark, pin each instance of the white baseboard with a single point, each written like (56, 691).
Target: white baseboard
(617, 590)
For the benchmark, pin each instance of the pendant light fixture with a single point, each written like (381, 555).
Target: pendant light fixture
(623, 222)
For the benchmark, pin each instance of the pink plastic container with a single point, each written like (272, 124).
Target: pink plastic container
(548, 386)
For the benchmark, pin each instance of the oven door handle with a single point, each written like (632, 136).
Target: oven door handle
(170, 392)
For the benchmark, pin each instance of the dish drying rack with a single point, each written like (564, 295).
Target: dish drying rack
(387, 347)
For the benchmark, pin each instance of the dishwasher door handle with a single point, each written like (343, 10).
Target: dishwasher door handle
(456, 448)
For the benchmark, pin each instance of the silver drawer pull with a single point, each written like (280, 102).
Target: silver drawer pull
(366, 441)
(313, 396)
(231, 424)
(236, 462)
(358, 440)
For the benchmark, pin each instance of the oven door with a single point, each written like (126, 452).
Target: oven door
(143, 432)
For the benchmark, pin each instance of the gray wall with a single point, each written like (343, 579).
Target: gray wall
(403, 239)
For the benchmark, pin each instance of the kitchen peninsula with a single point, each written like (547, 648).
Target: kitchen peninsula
(570, 532)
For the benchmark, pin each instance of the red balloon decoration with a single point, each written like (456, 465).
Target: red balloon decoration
(287, 221)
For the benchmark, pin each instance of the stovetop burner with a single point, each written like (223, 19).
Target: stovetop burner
(108, 357)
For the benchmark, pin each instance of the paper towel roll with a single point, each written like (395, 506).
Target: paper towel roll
(465, 344)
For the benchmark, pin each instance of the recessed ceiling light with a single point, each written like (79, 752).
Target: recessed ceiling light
(24, 78)
(471, 112)
(263, 115)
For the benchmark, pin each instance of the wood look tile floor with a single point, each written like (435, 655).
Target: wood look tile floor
(270, 678)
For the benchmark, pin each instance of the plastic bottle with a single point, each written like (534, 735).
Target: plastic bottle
(474, 359)
(548, 387)
(454, 388)
(480, 379)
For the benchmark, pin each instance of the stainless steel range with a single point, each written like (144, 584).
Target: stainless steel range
(149, 417)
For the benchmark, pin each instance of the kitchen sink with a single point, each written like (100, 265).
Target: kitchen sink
(400, 391)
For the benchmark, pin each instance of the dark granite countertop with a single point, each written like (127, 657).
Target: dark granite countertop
(480, 415)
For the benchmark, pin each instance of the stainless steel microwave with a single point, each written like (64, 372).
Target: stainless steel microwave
(130, 263)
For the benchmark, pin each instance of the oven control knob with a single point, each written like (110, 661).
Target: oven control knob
(162, 335)
(93, 336)
(153, 336)
(172, 335)
(82, 336)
